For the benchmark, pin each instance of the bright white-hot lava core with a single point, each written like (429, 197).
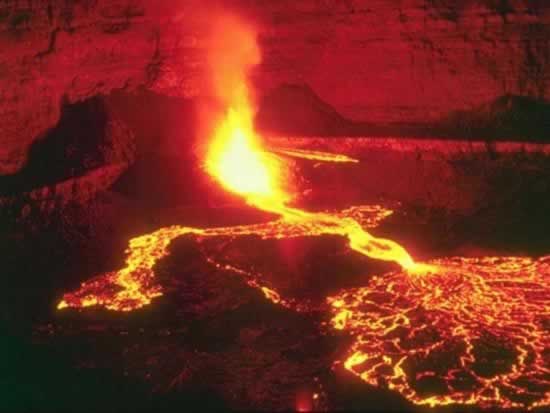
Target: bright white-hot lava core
(236, 159)
(402, 321)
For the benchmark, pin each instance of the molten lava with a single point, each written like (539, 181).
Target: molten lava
(473, 331)
(237, 161)
(315, 155)
(407, 325)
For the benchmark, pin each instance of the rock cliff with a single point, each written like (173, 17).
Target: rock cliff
(378, 61)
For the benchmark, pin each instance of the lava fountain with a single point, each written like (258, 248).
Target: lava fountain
(235, 157)
(401, 320)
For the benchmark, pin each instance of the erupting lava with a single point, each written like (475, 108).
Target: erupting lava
(407, 324)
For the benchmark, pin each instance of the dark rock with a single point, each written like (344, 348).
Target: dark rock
(297, 110)
(509, 117)
(82, 156)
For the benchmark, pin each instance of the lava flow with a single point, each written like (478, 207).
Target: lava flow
(407, 324)
(471, 331)
(315, 155)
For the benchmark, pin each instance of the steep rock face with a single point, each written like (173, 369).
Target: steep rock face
(414, 61)
(379, 61)
(295, 110)
(50, 51)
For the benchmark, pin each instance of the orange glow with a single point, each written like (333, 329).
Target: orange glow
(399, 320)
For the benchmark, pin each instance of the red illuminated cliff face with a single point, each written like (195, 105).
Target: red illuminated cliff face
(414, 62)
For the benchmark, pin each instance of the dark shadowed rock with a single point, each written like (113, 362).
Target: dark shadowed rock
(507, 117)
(297, 110)
(81, 156)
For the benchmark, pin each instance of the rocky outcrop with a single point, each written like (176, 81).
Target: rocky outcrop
(381, 61)
(41, 204)
(88, 136)
(511, 117)
(297, 110)
(82, 155)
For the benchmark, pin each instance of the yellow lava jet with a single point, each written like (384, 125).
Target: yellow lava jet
(236, 159)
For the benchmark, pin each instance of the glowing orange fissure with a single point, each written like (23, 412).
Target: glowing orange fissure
(451, 296)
